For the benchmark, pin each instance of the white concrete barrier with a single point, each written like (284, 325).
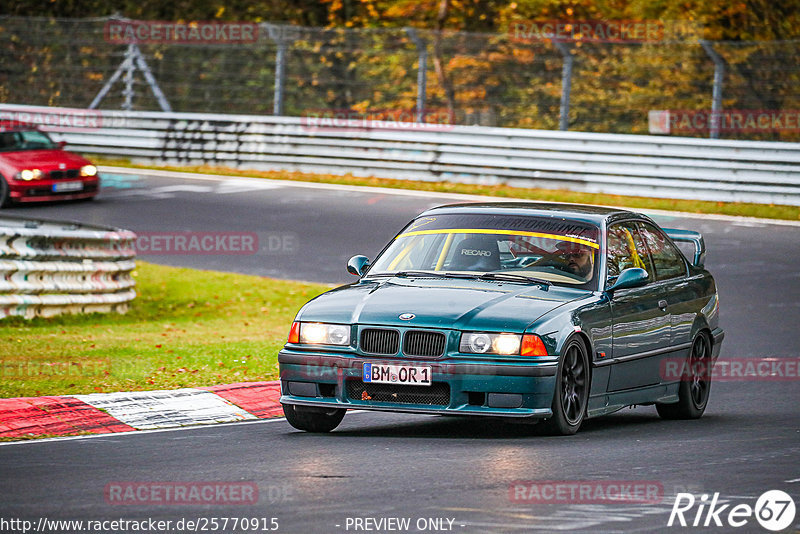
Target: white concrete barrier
(53, 267)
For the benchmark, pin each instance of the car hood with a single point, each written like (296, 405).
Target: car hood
(43, 159)
(439, 303)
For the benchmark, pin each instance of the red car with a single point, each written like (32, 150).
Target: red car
(34, 168)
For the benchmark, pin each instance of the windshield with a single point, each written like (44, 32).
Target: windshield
(554, 250)
(25, 140)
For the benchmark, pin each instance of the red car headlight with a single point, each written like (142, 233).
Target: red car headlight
(29, 174)
(88, 170)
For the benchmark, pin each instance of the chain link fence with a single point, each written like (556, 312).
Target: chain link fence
(483, 79)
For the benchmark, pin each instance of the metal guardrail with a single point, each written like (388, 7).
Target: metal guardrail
(665, 167)
(52, 267)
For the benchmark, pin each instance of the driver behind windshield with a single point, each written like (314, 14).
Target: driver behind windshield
(572, 258)
(577, 259)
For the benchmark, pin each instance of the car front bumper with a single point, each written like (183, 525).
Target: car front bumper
(42, 190)
(460, 387)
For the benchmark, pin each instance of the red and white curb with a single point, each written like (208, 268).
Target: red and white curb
(100, 413)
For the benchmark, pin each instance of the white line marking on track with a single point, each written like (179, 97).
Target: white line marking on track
(180, 188)
(236, 185)
(561, 518)
(425, 194)
(167, 191)
(292, 183)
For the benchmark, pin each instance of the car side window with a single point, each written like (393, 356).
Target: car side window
(6, 140)
(668, 260)
(625, 250)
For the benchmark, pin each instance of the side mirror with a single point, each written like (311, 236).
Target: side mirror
(61, 144)
(357, 265)
(632, 277)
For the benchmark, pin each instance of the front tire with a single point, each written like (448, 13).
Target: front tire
(572, 391)
(5, 195)
(313, 419)
(695, 386)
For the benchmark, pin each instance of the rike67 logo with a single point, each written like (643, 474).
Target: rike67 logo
(774, 510)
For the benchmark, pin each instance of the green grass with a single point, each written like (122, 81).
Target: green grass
(767, 211)
(185, 328)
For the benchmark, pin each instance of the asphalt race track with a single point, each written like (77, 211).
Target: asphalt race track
(454, 472)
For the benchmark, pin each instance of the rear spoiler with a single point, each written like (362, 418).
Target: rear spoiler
(689, 236)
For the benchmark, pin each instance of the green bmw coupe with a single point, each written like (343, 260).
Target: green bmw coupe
(548, 313)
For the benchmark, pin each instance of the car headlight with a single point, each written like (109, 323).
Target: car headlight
(505, 344)
(30, 174)
(88, 170)
(320, 334)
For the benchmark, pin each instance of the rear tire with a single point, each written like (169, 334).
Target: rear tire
(695, 386)
(572, 391)
(312, 418)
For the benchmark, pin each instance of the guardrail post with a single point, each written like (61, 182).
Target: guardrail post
(280, 74)
(138, 57)
(422, 71)
(716, 98)
(125, 66)
(128, 92)
(282, 40)
(566, 85)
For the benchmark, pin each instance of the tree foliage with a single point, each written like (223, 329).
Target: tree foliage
(355, 54)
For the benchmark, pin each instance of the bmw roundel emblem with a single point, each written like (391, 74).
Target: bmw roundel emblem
(407, 316)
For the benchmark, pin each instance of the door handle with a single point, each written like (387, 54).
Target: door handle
(662, 304)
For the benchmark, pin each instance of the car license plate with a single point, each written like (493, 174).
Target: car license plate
(67, 186)
(379, 373)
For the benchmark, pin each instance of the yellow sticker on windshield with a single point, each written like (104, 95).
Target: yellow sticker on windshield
(503, 232)
(422, 222)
